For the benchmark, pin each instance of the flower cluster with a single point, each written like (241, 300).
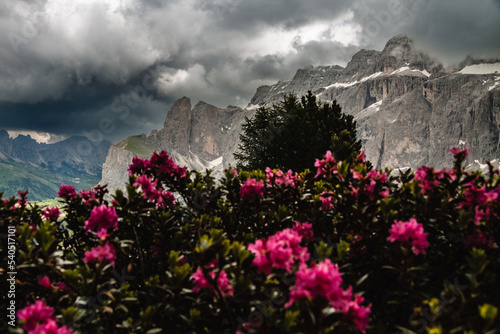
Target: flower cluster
(201, 282)
(483, 202)
(252, 189)
(88, 197)
(430, 179)
(101, 253)
(304, 230)
(281, 179)
(67, 192)
(101, 218)
(51, 213)
(326, 199)
(324, 280)
(152, 193)
(160, 165)
(280, 250)
(38, 319)
(326, 165)
(404, 231)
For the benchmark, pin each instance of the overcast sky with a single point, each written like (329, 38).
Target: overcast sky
(112, 68)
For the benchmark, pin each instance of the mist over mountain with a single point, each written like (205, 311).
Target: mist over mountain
(40, 168)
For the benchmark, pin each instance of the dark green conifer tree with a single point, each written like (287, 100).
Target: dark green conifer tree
(293, 133)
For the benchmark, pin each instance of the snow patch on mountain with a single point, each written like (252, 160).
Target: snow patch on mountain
(481, 69)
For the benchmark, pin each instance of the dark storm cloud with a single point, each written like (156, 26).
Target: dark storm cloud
(247, 16)
(448, 29)
(73, 66)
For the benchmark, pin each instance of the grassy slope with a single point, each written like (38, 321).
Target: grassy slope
(42, 184)
(137, 145)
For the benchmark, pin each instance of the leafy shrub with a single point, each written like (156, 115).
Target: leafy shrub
(344, 248)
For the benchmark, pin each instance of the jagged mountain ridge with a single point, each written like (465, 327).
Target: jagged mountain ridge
(41, 168)
(409, 109)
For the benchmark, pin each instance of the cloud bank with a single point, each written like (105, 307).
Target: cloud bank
(115, 66)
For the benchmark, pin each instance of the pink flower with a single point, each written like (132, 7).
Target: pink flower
(45, 282)
(325, 164)
(260, 260)
(457, 152)
(33, 314)
(406, 231)
(51, 213)
(138, 166)
(166, 199)
(321, 280)
(358, 314)
(88, 196)
(361, 156)
(148, 187)
(50, 327)
(101, 253)
(166, 167)
(201, 282)
(281, 179)
(252, 189)
(67, 192)
(61, 286)
(384, 193)
(281, 251)
(280, 254)
(304, 230)
(101, 217)
(326, 200)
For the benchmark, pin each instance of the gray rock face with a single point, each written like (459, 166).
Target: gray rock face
(200, 137)
(114, 170)
(410, 111)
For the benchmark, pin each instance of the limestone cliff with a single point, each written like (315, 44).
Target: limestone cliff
(409, 110)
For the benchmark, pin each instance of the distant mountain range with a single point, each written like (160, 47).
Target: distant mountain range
(41, 168)
(409, 109)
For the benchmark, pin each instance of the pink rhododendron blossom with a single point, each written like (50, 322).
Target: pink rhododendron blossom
(101, 217)
(377, 176)
(45, 282)
(166, 199)
(385, 193)
(51, 213)
(361, 156)
(67, 192)
(304, 230)
(281, 179)
(411, 230)
(326, 200)
(50, 327)
(252, 189)
(325, 164)
(457, 152)
(138, 166)
(148, 187)
(281, 251)
(88, 196)
(358, 314)
(427, 178)
(261, 259)
(356, 175)
(320, 280)
(200, 282)
(62, 286)
(101, 253)
(166, 166)
(34, 314)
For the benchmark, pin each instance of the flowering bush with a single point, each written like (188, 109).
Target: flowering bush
(343, 248)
